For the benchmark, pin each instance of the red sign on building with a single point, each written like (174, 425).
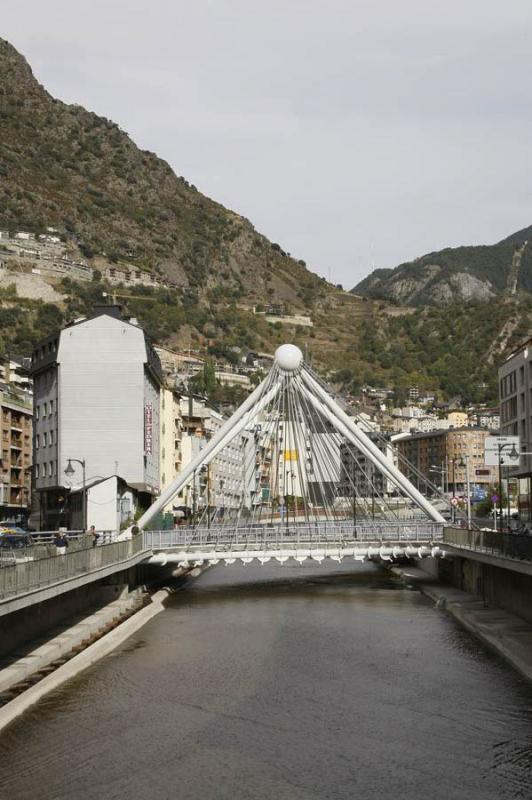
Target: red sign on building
(148, 429)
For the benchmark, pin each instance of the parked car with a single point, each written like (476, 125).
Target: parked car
(14, 540)
(11, 529)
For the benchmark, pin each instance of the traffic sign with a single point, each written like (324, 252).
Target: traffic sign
(494, 498)
(503, 448)
(454, 501)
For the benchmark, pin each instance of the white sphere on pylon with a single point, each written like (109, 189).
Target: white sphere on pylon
(288, 357)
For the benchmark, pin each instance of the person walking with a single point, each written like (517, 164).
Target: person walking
(61, 542)
(93, 535)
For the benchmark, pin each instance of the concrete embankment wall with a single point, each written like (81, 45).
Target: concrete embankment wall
(20, 628)
(503, 588)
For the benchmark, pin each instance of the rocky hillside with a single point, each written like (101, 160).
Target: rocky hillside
(457, 274)
(65, 167)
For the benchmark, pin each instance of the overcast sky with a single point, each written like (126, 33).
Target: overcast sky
(353, 132)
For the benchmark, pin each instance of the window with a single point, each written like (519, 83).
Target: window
(36, 441)
(44, 470)
(51, 468)
(37, 470)
(45, 409)
(37, 407)
(51, 438)
(51, 406)
(44, 439)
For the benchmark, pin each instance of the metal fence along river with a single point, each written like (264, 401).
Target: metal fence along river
(36, 573)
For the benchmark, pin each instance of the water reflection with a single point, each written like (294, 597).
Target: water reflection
(292, 682)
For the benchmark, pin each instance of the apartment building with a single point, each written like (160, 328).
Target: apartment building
(446, 458)
(96, 400)
(359, 472)
(16, 455)
(515, 397)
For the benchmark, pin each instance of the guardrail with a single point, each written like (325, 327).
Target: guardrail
(44, 546)
(40, 537)
(37, 573)
(510, 545)
(270, 537)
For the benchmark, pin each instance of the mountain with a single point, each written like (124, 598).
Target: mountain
(457, 274)
(67, 168)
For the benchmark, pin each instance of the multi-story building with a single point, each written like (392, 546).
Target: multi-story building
(484, 418)
(15, 374)
(16, 455)
(443, 456)
(515, 395)
(96, 400)
(220, 484)
(171, 435)
(359, 472)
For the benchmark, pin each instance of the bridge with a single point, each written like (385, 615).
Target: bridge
(189, 546)
(314, 482)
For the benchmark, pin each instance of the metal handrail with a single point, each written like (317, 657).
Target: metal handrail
(21, 578)
(223, 537)
(510, 545)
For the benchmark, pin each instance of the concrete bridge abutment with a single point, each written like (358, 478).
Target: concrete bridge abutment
(498, 587)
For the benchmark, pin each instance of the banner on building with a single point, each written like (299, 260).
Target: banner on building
(148, 429)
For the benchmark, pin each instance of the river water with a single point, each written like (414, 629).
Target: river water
(291, 683)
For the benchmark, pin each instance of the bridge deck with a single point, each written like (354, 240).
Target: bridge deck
(39, 579)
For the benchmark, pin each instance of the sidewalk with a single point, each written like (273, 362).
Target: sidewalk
(508, 635)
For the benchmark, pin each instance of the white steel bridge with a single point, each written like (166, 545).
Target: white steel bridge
(195, 546)
(313, 483)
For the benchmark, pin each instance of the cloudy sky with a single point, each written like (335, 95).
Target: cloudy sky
(353, 132)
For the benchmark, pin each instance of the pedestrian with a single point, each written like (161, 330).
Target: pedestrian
(515, 524)
(93, 535)
(61, 542)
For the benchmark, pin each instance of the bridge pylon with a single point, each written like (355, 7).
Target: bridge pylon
(302, 460)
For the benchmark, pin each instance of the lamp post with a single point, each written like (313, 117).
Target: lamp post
(453, 500)
(69, 471)
(513, 455)
(442, 472)
(464, 463)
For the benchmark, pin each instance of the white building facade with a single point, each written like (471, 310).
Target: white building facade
(97, 400)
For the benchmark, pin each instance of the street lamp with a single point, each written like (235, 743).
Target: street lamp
(69, 471)
(464, 463)
(442, 472)
(513, 455)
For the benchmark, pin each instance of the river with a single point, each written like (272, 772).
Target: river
(291, 683)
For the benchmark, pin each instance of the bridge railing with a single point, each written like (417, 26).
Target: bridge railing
(21, 578)
(257, 537)
(510, 545)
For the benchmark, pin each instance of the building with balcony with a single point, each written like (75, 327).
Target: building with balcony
(16, 455)
(359, 473)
